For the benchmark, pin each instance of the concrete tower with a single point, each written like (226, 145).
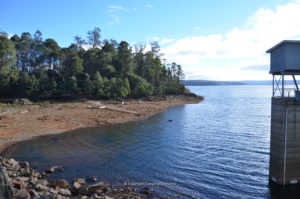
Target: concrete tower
(285, 114)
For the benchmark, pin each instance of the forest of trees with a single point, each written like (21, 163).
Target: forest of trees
(36, 68)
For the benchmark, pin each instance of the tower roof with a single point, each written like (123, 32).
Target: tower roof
(282, 43)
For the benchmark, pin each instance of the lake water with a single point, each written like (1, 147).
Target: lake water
(215, 149)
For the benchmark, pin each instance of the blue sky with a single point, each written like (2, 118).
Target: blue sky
(217, 39)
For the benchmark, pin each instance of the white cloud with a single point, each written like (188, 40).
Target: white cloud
(243, 46)
(197, 28)
(116, 19)
(257, 67)
(150, 5)
(165, 40)
(113, 13)
(161, 41)
(116, 8)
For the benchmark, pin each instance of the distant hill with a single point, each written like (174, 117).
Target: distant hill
(210, 83)
(259, 82)
(230, 83)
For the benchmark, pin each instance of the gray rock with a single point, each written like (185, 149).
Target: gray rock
(94, 187)
(54, 191)
(83, 190)
(61, 197)
(14, 164)
(24, 164)
(48, 195)
(33, 180)
(41, 187)
(65, 192)
(22, 194)
(43, 182)
(22, 101)
(25, 172)
(75, 188)
(34, 194)
(96, 196)
(23, 179)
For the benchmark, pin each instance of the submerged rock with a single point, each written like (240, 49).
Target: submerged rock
(91, 179)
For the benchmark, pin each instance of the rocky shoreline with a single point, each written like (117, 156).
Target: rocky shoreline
(19, 181)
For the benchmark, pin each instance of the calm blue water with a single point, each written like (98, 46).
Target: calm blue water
(215, 149)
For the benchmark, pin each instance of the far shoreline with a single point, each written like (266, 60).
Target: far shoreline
(28, 121)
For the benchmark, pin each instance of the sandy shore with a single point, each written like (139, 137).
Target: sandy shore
(26, 121)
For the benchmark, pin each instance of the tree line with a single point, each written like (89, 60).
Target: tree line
(36, 68)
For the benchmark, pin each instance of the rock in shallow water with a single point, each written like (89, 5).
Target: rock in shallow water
(80, 181)
(55, 169)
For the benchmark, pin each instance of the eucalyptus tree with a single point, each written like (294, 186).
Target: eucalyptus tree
(94, 37)
(52, 54)
(7, 54)
(7, 60)
(123, 61)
